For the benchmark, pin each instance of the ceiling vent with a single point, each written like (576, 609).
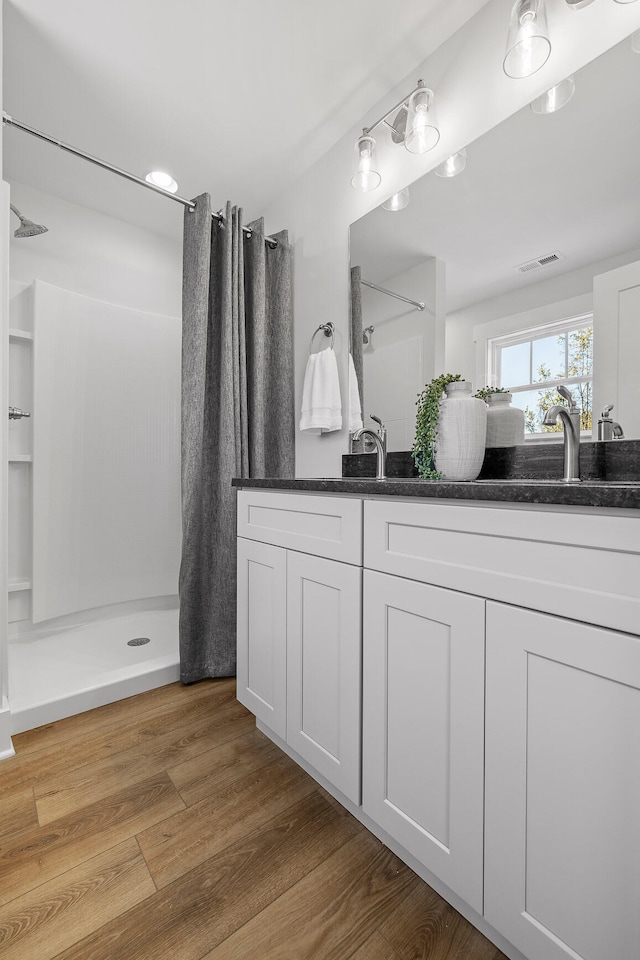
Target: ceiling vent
(540, 262)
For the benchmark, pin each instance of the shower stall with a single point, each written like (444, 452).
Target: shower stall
(94, 461)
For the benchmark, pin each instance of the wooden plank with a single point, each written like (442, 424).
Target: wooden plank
(54, 749)
(42, 923)
(196, 779)
(231, 812)
(17, 812)
(376, 948)
(193, 914)
(39, 854)
(92, 781)
(334, 908)
(425, 925)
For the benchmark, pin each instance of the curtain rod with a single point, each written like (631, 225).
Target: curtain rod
(189, 204)
(416, 303)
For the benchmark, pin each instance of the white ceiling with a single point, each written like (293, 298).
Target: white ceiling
(233, 98)
(534, 185)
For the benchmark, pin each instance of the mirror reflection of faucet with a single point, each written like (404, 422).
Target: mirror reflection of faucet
(375, 440)
(608, 429)
(570, 419)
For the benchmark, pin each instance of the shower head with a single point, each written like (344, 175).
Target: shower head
(27, 228)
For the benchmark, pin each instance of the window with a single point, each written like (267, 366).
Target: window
(532, 363)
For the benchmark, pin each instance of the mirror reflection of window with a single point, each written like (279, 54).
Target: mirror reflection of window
(531, 364)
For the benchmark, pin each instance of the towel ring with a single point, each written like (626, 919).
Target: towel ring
(329, 331)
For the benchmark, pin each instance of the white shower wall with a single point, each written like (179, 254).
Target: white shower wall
(130, 281)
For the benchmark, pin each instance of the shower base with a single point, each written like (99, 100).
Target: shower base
(90, 665)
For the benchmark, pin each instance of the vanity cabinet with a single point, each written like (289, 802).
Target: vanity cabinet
(423, 725)
(299, 627)
(501, 696)
(562, 786)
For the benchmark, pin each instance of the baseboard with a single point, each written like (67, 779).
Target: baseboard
(6, 746)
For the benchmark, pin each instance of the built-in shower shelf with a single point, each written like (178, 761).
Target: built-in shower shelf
(15, 334)
(20, 458)
(15, 585)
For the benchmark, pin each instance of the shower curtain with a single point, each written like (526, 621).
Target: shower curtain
(355, 330)
(237, 414)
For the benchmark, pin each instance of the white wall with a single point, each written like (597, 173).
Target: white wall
(95, 255)
(473, 95)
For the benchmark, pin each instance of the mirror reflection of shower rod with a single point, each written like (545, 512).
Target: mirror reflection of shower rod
(415, 303)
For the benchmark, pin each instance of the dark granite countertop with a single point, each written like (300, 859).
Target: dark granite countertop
(588, 493)
(525, 474)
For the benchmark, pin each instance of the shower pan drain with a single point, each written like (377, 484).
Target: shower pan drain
(138, 641)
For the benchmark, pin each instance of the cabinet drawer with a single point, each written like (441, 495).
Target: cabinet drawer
(585, 566)
(328, 527)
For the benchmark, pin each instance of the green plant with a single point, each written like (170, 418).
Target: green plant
(484, 392)
(428, 404)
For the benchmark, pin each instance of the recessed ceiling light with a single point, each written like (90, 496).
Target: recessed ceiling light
(163, 180)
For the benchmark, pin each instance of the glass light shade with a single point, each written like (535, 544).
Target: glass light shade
(528, 44)
(422, 132)
(453, 165)
(398, 201)
(555, 98)
(164, 180)
(625, 1)
(365, 175)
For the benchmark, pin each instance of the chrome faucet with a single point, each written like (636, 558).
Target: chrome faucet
(570, 418)
(608, 429)
(382, 432)
(381, 452)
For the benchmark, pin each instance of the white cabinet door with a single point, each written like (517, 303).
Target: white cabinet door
(423, 725)
(562, 786)
(324, 665)
(262, 642)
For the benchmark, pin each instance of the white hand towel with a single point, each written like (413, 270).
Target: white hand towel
(355, 408)
(321, 403)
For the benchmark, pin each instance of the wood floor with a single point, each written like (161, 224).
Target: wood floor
(166, 827)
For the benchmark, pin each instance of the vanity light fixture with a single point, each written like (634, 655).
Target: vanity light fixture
(453, 165)
(164, 180)
(528, 44)
(414, 125)
(555, 98)
(398, 201)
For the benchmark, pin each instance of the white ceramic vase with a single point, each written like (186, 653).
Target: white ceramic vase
(505, 424)
(462, 431)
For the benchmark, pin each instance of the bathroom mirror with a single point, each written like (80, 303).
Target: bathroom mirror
(545, 204)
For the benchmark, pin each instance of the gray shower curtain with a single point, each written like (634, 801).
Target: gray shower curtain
(237, 414)
(355, 329)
